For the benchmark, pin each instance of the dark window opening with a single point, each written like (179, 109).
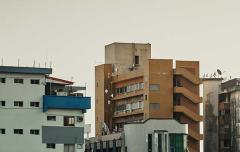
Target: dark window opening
(18, 80)
(51, 118)
(18, 131)
(2, 131)
(35, 81)
(136, 60)
(69, 121)
(34, 132)
(149, 142)
(2, 80)
(18, 103)
(2, 103)
(52, 146)
(34, 104)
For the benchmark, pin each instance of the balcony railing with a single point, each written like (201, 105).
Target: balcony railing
(66, 102)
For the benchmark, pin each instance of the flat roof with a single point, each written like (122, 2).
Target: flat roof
(25, 70)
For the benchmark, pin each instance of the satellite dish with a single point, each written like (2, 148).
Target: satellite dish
(219, 72)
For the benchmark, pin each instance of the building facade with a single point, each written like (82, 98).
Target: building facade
(152, 135)
(229, 116)
(40, 113)
(210, 103)
(132, 87)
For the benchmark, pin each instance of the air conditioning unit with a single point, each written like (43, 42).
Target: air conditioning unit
(62, 94)
(79, 119)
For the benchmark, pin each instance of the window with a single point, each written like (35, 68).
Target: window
(146, 97)
(34, 132)
(154, 106)
(149, 142)
(69, 121)
(17, 80)
(2, 131)
(154, 87)
(34, 104)
(18, 103)
(52, 146)
(2, 103)
(51, 118)
(35, 81)
(136, 60)
(2, 80)
(18, 131)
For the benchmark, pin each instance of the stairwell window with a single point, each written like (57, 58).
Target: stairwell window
(18, 103)
(18, 80)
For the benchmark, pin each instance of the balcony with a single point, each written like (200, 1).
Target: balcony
(129, 94)
(190, 95)
(188, 75)
(125, 114)
(66, 102)
(192, 115)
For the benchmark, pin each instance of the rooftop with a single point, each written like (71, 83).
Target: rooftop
(25, 70)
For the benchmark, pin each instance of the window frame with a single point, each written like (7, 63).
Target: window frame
(51, 146)
(34, 131)
(33, 81)
(2, 131)
(18, 131)
(18, 80)
(2, 80)
(48, 118)
(34, 104)
(18, 103)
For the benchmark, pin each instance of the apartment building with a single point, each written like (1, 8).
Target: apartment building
(221, 114)
(211, 90)
(229, 116)
(132, 87)
(39, 112)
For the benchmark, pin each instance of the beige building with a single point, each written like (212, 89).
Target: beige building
(133, 87)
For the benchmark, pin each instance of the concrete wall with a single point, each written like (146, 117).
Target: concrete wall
(27, 117)
(121, 55)
(211, 89)
(136, 134)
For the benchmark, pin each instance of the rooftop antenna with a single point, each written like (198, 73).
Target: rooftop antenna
(18, 62)
(34, 63)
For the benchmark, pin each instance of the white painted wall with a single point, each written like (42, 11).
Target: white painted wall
(136, 134)
(27, 117)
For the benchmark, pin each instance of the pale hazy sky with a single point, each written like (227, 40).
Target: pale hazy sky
(72, 33)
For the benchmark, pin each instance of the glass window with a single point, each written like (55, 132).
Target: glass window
(2, 103)
(35, 81)
(34, 104)
(51, 118)
(34, 132)
(154, 106)
(52, 146)
(2, 80)
(18, 131)
(154, 87)
(18, 103)
(18, 80)
(2, 131)
(69, 121)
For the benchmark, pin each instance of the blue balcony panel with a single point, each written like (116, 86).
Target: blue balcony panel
(66, 102)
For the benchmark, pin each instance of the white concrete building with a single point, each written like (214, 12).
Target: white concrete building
(39, 113)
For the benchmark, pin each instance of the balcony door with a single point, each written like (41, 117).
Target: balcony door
(69, 148)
